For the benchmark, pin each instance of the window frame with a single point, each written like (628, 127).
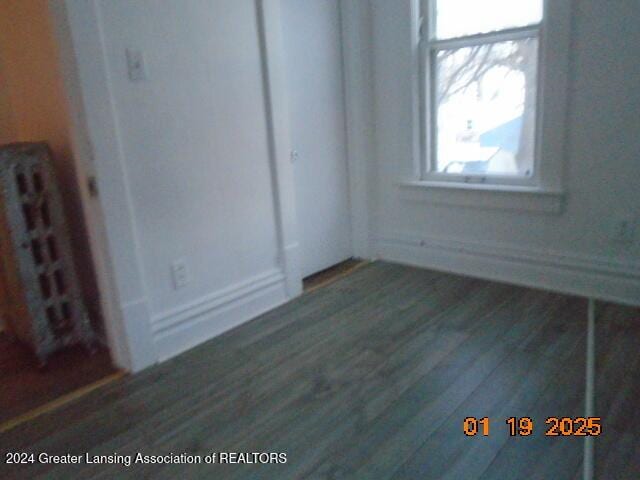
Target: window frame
(552, 68)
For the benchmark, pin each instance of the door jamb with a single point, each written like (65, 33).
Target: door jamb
(97, 152)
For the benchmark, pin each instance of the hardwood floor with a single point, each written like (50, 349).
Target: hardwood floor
(25, 386)
(369, 377)
(324, 277)
(618, 392)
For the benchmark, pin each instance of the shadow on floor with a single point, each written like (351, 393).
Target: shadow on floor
(25, 386)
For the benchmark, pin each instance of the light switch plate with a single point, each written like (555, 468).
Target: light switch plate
(135, 65)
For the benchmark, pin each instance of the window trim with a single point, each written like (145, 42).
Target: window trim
(428, 48)
(553, 66)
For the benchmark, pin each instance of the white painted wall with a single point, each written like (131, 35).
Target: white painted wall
(194, 139)
(318, 134)
(571, 251)
(195, 142)
(190, 162)
(360, 122)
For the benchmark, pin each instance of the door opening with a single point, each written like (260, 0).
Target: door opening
(33, 108)
(313, 54)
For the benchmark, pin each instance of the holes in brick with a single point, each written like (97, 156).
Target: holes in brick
(21, 180)
(36, 251)
(29, 217)
(53, 248)
(66, 311)
(45, 285)
(44, 212)
(59, 279)
(38, 184)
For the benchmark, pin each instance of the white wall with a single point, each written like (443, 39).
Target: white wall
(571, 251)
(188, 162)
(194, 137)
(195, 141)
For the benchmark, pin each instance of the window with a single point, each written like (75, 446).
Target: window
(481, 86)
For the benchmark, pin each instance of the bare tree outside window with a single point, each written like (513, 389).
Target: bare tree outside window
(484, 97)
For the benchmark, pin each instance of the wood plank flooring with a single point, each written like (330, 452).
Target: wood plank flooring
(25, 386)
(369, 377)
(330, 274)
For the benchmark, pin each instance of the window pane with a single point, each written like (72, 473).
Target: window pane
(456, 18)
(486, 108)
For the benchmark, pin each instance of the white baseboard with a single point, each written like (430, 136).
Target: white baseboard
(593, 277)
(185, 327)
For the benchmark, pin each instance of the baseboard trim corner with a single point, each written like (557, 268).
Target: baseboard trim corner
(186, 327)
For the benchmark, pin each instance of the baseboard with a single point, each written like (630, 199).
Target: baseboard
(594, 277)
(182, 329)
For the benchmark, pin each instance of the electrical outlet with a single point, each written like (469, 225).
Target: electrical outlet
(179, 274)
(624, 230)
(135, 65)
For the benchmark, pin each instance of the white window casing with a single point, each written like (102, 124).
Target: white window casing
(543, 189)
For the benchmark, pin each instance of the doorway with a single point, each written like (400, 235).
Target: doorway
(33, 108)
(313, 55)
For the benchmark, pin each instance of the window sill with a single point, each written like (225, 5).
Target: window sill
(474, 195)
